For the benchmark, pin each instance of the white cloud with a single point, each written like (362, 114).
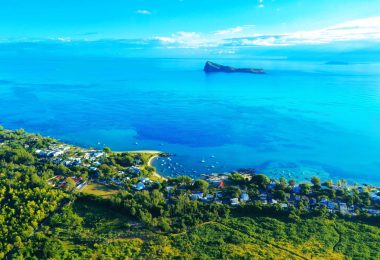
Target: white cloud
(229, 31)
(262, 41)
(198, 40)
(367, 29)
(63, 39)
(185, 40)
(146, 12)
(362, 29)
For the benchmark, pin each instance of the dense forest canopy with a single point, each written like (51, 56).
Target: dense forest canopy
(174, 218)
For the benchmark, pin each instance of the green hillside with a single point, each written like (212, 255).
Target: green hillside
(59, 201)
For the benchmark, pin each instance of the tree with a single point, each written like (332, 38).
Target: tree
(61, 170)
(315, 181)
(292, 183)
(70, 184)
(236, 178)
(18, 242)
(53, 249)
(280, 195)
(342, 183)
(124, 159)
(183, 180)
(105, 170)
(107, 150)
(282, 183)
(200, 185)
(260, 180)
(232, 191)
(294, 216)
(305, 188)
(328, 183)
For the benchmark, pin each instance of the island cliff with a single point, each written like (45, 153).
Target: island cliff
(214, 67)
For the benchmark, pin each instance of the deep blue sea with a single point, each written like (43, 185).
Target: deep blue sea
(302, 118)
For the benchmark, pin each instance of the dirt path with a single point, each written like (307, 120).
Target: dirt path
(339, 236)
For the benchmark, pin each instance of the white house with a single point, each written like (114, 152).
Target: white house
(234, 202)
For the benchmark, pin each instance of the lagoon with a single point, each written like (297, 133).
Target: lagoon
(302, 118)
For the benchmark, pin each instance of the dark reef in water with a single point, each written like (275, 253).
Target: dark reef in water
(214, 67)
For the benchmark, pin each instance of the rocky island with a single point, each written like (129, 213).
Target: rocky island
(214, 67)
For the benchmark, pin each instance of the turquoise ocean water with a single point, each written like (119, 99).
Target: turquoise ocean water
(302, 118)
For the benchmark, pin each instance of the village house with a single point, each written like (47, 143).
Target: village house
(234, 201)
(139, 186)
(343, 208)
(373, 211)
(134, 170)
(263, 198)
(244, 197)
(196, 196)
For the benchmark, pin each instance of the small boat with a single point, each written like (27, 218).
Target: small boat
(212, 156)
(203, 161)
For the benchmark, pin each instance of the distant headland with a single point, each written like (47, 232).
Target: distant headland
(214, 67)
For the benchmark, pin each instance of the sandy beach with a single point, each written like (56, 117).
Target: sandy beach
(150, 162)
(151, 165)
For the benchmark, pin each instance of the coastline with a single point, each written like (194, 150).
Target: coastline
(146, 151)
(155, 173)
(150, 163)
(155, 154)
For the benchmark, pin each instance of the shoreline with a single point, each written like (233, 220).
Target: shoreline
(150, 164)
(140, 151)
(155, 154)
(146, 151)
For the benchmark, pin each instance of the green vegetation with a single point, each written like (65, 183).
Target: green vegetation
(93, 229)
(100, 190)
(41, 216)
(25, 199)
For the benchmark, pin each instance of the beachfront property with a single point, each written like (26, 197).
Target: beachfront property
(131, 177)
(53, 151)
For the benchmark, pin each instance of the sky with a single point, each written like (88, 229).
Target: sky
(187, 24)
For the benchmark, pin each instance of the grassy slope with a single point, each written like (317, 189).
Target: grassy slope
(243, 237)
(99, 190)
